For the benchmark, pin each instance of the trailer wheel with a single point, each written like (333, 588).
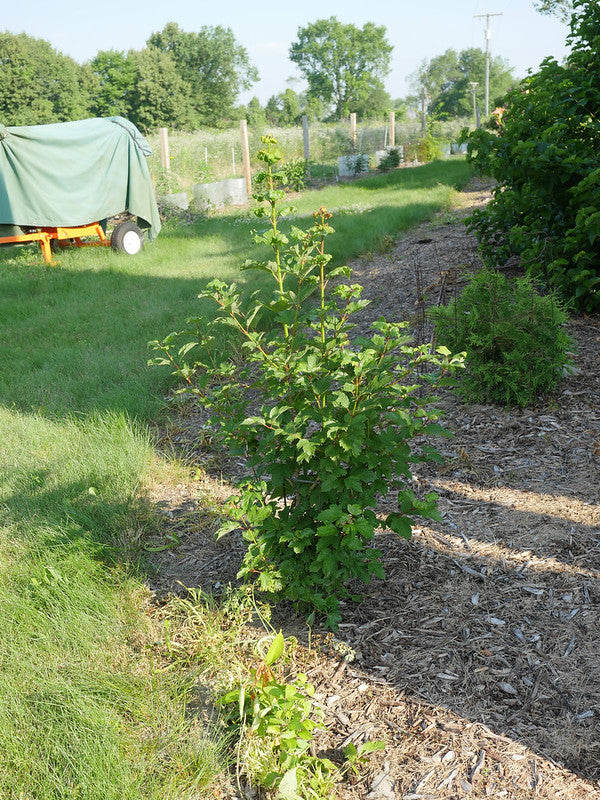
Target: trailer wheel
(127, 238)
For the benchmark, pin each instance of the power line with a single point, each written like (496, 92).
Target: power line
(488, 36)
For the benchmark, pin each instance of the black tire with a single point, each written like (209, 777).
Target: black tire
(58, 245)
(127, 238)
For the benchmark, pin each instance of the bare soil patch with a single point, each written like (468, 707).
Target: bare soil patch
(478, 658)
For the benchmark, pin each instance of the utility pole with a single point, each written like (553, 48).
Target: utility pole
(488, 36)
(474, 85)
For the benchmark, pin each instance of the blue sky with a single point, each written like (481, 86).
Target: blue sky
(417, 30)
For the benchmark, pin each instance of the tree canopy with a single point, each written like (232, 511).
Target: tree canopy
(288, 108)
(116, 77)
(38, 84)
(447, 80)
(284, 108)
(343, 65)
(179, 80)
(212, 64)
(161, 97)
(560, 8)
(186, 80)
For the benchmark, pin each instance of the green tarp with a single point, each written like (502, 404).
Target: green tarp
(75, 173)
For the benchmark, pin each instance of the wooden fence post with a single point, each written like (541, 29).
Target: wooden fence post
(164, 148)
(246, 156)
(305, 137)
(392, 128)
(353, 129)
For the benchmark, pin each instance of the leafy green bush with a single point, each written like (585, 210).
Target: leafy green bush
(391, 160)
(428, 149)
(295, 174)
(544, 156)
(324, 422)
(357, 164)
(425, 149)
(515, 343)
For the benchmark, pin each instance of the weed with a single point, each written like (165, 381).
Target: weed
(275, 721)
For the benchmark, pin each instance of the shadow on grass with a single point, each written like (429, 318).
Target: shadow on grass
(77, 339)
(67, 516)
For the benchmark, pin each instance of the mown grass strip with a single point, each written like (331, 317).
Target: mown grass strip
(84, 710)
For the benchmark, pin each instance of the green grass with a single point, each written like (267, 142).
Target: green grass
(83, 714)
(367, 210)
(84, 710)
(75, 336)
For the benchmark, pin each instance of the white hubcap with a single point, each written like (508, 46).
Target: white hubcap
(132, 243)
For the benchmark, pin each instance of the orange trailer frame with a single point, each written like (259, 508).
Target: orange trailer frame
(63, 237)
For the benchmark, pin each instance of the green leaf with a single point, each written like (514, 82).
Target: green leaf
(226, 527)
(275, 650)
(371, 747)
(399, 524)
(350, 751)
(288, 786)
(230, 697)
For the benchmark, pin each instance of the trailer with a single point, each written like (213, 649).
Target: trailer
(61, 183)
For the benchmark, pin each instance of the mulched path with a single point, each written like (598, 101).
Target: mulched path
(477, 660)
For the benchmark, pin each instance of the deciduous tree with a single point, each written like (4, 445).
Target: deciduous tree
(160, 96)
(255, 114)
(447, 81)
(116, 74)
(214, 66)
(284, 108)
(344, 65)
(38, 84)
(560, 8)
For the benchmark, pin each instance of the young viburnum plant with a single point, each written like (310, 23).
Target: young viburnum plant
(325, 422)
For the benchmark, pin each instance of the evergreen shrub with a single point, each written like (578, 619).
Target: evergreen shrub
(514, 338)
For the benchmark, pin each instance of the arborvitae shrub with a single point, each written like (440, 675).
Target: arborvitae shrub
(514, 338)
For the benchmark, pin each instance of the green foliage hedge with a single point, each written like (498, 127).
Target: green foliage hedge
(545, 156)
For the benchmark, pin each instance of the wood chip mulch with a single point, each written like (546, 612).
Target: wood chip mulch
(477, 660)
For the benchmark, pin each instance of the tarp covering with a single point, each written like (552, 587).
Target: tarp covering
(75, 173)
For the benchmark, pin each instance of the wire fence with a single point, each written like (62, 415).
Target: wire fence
(213, 155)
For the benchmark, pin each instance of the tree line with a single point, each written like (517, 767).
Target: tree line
(187, 80)
(179, 79)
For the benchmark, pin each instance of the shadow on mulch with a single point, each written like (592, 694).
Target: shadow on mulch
(477, 658)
